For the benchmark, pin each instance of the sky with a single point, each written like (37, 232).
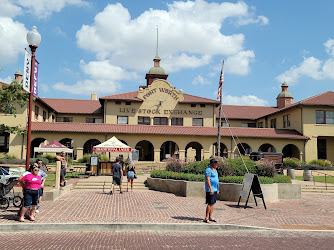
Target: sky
(107, 47)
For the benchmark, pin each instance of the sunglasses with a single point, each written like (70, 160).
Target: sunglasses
(36, 169)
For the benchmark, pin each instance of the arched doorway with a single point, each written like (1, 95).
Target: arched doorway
(66, 142)
(35, 143)
(223, 150)
(123, 142)
(244, 149)
(267, 148)
(146, 150)
(88, 146)
(169, 149)
(194, 151)
(291, 150)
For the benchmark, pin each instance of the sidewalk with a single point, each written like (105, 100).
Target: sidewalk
(312, 212)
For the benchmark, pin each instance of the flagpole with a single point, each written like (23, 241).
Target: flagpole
(220, 111)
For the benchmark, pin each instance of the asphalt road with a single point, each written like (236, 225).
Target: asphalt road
(276, 239)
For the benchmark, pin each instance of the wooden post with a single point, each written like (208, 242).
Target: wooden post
(58, 167)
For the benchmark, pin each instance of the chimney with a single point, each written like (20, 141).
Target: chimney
(94, 97)
(18, 76)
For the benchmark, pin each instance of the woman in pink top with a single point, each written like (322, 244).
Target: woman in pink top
(31, 183)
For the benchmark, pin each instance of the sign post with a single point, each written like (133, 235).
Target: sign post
(251, 183)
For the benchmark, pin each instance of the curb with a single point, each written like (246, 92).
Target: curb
(95, 227)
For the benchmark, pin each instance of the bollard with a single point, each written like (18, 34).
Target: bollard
(58, 166)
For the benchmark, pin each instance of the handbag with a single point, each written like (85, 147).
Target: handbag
(135, 176)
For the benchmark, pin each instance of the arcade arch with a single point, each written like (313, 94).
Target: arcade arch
(194, 150)
(291, 150)
(244, 149)
(267, 148)
(168, 148)
(146, 150)
(35, 143)
(223, 150)
(88, 146)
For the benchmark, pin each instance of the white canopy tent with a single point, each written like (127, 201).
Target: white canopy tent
(53, 147)
(112, 145)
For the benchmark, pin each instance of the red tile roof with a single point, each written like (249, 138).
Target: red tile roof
(196, 99)
(244, 112)
(72, 106)
(164, 130)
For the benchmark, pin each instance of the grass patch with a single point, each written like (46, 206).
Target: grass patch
(329, 179)
(50, 179)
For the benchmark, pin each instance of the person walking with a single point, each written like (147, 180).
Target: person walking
(211, 189)
(131, 172)
(30, 183)
(61, 158)
(117, 176)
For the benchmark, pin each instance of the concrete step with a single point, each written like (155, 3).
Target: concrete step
(310, 191)
(108, 188)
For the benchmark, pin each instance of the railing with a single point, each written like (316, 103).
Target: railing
(323, 174)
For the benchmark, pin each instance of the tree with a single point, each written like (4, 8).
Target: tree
(12, 96)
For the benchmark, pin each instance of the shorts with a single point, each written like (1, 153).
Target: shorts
(131, 175)
(30, 197)
(211, 199)
(117, 181)
(62, 173)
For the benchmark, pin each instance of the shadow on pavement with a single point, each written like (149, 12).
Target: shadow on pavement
(236, 206)
(187, 218)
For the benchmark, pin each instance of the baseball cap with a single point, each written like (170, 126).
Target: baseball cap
(213, 160)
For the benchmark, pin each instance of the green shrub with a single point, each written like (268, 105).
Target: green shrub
(292, 163)
(86, 158)
(316, 167)
(51, 158)
(238, 167)
(231, 179)
(282, 179)
(197, 167)
(6, 156)
(13, 161)
(223, 168)
(323, 163)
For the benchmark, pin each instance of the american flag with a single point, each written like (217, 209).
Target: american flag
(221, 81)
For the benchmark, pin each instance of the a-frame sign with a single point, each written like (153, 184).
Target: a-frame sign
(251, 183)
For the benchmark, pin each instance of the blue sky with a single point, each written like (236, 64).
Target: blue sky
(107, 47)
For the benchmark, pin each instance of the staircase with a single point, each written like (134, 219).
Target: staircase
(98, 183)
(320, 188)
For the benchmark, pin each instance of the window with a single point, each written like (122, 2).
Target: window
(160, 121)
(286, 121)
(4, 142)
(53, 118)
(324, 117)
(122, 120)
(143, 120)
(127, 103)
(322, 154)
(44, 115)
(177, 121)
(273, 123)
(93, 120)
(64, 119)
(202, 105)
(260, 125)
(248, 125)
(36, 112)
(118, 102)
(225, 124)
(197, 121)
(193, 105)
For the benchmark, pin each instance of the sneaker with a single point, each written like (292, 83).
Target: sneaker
(65, 183)
(110, 192)
(32, 218)
(62, 185)
(37, 211)
(121, 192)
(21, 219)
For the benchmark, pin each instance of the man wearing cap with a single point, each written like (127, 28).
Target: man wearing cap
(211, 189)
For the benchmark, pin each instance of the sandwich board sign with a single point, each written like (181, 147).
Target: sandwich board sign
(251, 183)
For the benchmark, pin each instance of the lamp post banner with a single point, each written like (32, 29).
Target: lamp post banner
(26, 73)
(35, 86)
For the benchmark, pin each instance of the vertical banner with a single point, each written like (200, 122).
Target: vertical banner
(26, 73)
(35, 86)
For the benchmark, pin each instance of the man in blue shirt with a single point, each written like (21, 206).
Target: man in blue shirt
(211, 189)
(117, 176)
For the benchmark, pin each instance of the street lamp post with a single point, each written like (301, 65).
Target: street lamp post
(33, 39)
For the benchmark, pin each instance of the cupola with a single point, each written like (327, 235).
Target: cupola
(284, 98)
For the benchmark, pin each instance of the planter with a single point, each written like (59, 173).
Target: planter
(291, 173)
(307, 175)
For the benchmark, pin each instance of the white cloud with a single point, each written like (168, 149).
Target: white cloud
(262, 20)
(13, 40)
(7, 80)
(200, 80)
(188, 36)
(60, 32)
(311, 67)
(104, 78)
(248, 100)
(239, 63)
(44, 8)
(8, 9)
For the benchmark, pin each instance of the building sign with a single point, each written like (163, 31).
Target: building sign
(161, 90)
(26, 72)
(160, 112)
(35, 86)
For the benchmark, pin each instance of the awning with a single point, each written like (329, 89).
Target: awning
(112, 145)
